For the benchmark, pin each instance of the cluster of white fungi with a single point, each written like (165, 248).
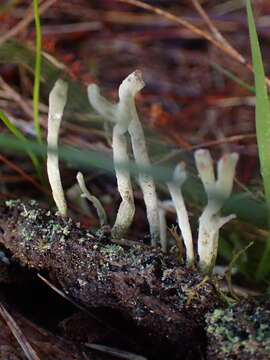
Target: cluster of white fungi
(125, 121)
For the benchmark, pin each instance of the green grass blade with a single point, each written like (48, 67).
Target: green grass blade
(233, 77)
(262, 116)
(85, 158)
(11, 126)
(37, 71)
(20, 136)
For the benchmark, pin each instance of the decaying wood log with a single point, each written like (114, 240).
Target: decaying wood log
(146, 287)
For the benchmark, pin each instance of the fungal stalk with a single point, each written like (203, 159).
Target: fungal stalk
(96, 203)
(126, 209)
(125, 116)
(181, 211)
(146, 182)
(217, 191)
(120, 115)
(163, 223)
(74, 195)
(57, 102)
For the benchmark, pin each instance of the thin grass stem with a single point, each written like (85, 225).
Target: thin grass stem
(37, 71)
(262, 118)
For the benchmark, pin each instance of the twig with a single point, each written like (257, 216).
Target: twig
(229, 50)
(216, 33)
(210, 24)
(207, 144)
(29, 352)
(24, 175)
(121, 354)
(28, 18)
(16, 97)
(71, 301)
(228, 271)
(188, 25)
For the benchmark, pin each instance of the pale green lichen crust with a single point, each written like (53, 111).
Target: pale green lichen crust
(33, 233)
(239, 332)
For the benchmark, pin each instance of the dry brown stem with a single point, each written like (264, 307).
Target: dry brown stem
(223, 46)
(28, 18)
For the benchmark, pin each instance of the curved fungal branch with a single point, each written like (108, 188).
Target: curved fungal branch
(96, 203)
(163, 223)
(217, 192)
(146, 182)
(181, 210)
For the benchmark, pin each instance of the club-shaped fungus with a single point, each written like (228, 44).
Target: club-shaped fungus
(57, 102)
(125, 119)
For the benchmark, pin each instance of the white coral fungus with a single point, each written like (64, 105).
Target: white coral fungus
(57, 102)
(125, 119)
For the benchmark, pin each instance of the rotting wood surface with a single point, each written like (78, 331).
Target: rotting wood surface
(146, 287)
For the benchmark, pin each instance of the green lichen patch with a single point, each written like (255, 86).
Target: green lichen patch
(241, 331)
(112, 251)
(39, 229)
(31, 218)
